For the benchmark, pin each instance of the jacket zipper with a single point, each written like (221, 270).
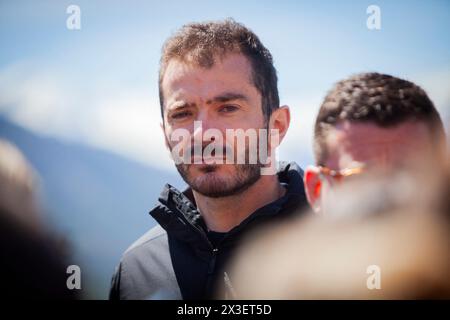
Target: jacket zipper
(211, 269)
(212, 262)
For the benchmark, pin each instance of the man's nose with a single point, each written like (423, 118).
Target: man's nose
(205, 120)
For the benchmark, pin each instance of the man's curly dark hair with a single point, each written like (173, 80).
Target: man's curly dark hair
(377, 98)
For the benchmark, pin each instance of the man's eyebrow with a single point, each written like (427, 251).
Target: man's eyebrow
(227, 96)
(223, 97)
(179, 105)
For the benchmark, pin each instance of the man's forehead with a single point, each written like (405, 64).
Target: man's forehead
(233, 63)
(366, 141)
(186, 81)
(353, 132)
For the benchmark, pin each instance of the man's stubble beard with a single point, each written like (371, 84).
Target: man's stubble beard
(211, 185)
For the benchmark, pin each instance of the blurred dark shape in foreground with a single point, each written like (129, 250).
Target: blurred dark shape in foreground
(396, 223)
(32, 257)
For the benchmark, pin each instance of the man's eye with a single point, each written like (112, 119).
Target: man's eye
(228, 108)
(181, 115)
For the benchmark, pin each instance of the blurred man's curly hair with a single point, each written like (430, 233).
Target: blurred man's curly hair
(203, 43)
(377, 98)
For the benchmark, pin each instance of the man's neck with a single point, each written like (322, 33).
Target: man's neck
(223, 214)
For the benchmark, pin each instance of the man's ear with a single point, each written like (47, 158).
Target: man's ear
(313, 186)
(280, 120)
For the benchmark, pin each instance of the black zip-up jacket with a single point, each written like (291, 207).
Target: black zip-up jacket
(179, 259)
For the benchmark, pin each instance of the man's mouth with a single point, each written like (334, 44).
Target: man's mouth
(209, 160)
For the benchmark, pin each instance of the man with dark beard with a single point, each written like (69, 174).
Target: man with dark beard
(220, 75)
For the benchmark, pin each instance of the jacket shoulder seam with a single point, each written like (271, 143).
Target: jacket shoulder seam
(161, 233)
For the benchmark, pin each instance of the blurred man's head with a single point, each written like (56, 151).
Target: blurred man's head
(370, 121)
(34, 259)
(221, 74)
(387, 238)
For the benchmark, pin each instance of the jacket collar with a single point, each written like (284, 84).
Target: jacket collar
(178, 215)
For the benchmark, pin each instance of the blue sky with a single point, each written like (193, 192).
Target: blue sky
(98, 85)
